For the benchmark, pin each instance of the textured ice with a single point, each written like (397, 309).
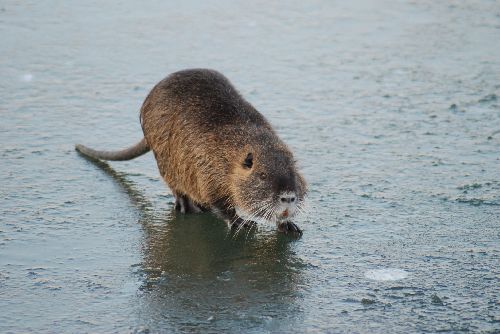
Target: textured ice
(386, 274)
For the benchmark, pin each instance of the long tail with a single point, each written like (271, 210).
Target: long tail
(129, 153)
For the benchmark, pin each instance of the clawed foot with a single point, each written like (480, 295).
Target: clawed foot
(289, 228)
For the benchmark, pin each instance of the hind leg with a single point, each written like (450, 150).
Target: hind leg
(184, 204)
(180, 204)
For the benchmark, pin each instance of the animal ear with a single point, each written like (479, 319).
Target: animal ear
(248, 163)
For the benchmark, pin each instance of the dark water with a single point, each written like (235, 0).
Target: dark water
(392, 109)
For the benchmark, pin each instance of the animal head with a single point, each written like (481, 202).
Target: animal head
(266, 183)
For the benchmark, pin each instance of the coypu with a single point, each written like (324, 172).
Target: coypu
(216, 152)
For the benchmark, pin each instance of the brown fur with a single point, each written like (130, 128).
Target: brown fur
(201, 131)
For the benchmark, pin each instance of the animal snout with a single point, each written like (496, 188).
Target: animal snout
(288, 204)
(287, 198)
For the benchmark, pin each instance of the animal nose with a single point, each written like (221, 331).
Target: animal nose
(288, 198)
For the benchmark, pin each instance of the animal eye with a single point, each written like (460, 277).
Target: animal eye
(263, 176)
(248, 163)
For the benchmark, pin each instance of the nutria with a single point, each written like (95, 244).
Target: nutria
(216, 152)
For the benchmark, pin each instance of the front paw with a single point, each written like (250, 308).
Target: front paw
(289, 228)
